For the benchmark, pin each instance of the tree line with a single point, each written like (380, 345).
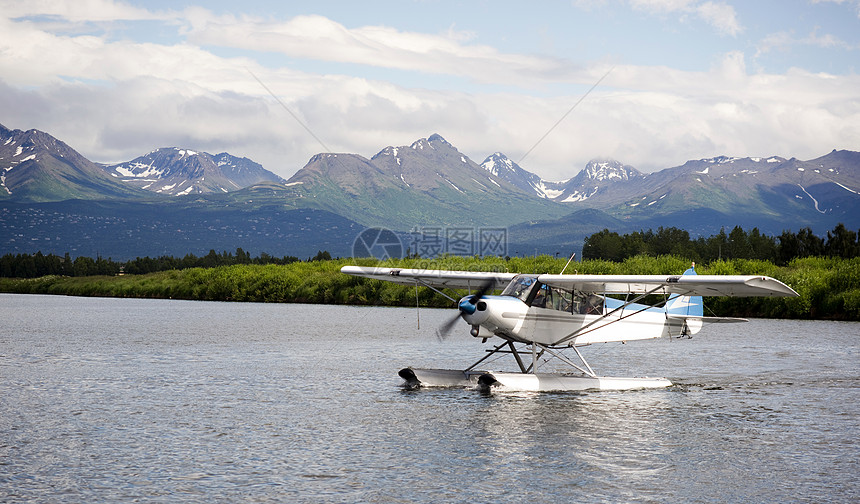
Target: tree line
(39, 265)
(608, 245)
(737, 244)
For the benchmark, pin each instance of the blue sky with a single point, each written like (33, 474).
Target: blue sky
(684, 79)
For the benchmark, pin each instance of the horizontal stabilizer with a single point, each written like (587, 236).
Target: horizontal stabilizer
(723, 320)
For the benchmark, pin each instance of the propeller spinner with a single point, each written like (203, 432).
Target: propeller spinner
(468, 305)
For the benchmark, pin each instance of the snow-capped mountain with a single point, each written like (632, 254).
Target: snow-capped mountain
(178, 172)
(430, 185)
(596, 178)
(501, 166)
(426, 183)
(35, 166)
(771, 187)
(601, 178)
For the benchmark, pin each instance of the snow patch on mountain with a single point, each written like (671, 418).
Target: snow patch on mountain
(846, 188)
(497, 160)
(139, 170)
(814, 201)
(576, 196)
(549, 190)
(604, 170)
(720, 160)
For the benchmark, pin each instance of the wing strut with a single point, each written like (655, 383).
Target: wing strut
(537, 351)
(517, 357)
(425, 284)
(490, 353)
(560, 356)
(513, 351)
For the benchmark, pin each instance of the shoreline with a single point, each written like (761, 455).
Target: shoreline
(829, 288)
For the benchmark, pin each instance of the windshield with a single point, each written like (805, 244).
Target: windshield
(520, 287)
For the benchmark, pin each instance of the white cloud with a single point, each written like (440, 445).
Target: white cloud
(855, 3)
(717, 14)
(721, 16)
(662, 5)
(825, 41)
(117, 99)
(783, 41)
(78, 11)
(316, 37)
(778, 40)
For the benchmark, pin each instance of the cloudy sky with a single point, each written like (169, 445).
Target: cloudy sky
(551, 84)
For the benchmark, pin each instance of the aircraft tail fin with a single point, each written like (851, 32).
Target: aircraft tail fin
(691, 308)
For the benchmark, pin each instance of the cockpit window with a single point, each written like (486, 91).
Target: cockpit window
(533, 293)
(520, 287)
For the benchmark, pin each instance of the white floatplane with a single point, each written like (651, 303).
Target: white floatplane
(539, 317)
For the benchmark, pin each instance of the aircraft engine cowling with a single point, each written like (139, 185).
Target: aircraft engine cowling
(474, 311)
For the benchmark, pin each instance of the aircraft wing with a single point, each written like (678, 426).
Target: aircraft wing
(435, 278)
(687, 285)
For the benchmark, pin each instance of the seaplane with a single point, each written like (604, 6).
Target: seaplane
(542, 318)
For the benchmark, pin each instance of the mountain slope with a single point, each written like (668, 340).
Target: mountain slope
(817, 193)
(124, 230)
(564, 235)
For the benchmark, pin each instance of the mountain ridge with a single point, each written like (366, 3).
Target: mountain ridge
(430, 185)
(427, 183)
(178, 172)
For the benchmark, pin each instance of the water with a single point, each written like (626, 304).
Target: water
(118, 400)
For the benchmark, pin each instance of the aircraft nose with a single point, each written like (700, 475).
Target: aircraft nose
(466, 306)
(474, 310)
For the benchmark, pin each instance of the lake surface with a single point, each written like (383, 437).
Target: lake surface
(121, 400)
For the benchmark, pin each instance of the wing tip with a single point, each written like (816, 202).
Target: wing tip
(773, 286)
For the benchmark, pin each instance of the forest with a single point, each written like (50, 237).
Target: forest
(737, 244)
(39, 265)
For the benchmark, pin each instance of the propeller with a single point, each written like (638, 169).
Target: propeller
(467, 305)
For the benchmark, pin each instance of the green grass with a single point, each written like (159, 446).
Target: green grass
(829, 288)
